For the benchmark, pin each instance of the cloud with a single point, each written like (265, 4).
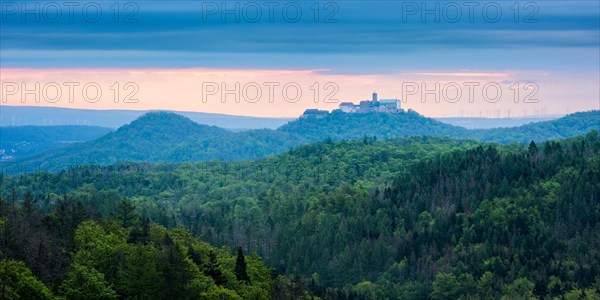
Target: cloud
(201, 29)
(173, 47)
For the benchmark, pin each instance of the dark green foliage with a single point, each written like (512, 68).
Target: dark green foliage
(240, 266)
(125, 214)
(140, 232)
(409, 218)
(213, 269)
(533, 149)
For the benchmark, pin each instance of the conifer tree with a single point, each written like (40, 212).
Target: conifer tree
(213, 269)
(240, 266)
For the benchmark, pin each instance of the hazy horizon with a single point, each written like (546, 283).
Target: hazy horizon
(248, 58)
(488, 114)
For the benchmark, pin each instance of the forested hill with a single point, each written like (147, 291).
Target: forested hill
(148, 137)
(343, 126)
(145, 139)
(167, 137)
(410, 218)
(568, 126)
(22, 141)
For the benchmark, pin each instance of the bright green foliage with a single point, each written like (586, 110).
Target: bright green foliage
(520, 289)
(139, 274)
(17, 282)
(96, 247)
(87, 283)
(160, 269)
(220, 293)
(446, 286)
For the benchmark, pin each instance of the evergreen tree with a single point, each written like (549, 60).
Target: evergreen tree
(175, 270)
(140, 232)
(28, 203)
(126, 214)
(213, 269)
(240, 266)
(533, 151)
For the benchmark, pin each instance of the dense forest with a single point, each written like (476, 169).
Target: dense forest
(22, 141)
(409, 218)
(73, 253)
(168, 137)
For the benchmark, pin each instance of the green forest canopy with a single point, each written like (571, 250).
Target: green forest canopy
(405, 218)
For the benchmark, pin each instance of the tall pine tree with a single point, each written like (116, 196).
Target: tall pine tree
(213, 269)
(126, 214)
(240, 266)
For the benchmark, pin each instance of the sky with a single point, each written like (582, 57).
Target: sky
(278, 58)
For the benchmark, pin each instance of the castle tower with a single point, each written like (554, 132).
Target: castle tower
(374, 97)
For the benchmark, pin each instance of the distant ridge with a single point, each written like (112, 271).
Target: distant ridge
(487, 123)
(28, 140)
(169, 137)
(44, 116)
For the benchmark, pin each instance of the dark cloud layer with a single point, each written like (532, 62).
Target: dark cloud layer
(204, 33)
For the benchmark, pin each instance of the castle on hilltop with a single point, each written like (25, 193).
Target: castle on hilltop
(365, 106)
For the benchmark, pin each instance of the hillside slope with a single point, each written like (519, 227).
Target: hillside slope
(114, 118)
(167, 137)
(343, 126)
(22, 141)
(567, 126)
(145, 139)
(409, 218)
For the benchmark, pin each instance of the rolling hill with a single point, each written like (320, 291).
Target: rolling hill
(44, 116)
(168, 137)
(568, 126)
(22, 141)
(145, 139)
(339, 125)
(487, 123)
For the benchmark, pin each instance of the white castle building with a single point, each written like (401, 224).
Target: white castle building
(366, 106)
(373, 105)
